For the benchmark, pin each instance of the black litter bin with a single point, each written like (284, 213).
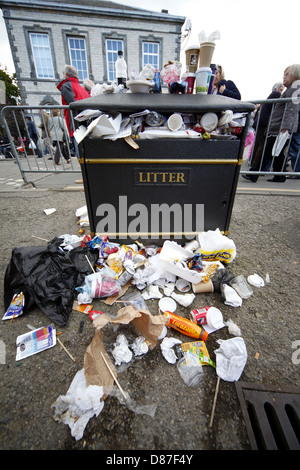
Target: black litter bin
(167, 188)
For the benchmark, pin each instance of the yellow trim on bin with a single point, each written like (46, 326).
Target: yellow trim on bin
(145, 161)
(139, 234)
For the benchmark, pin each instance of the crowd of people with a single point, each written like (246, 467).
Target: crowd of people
(273, 121)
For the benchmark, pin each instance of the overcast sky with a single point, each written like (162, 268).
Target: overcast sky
(257, 41)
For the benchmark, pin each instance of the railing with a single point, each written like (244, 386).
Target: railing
(42, 156)
(258, 156)
(52, 151)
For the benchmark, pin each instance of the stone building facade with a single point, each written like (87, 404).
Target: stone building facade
(46, 35)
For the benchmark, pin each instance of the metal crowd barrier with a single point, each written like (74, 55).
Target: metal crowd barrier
(255, 148)
(41, 159)
(38, 156)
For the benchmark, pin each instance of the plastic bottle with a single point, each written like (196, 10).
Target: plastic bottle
(185, 326)
(121, 69)
(157, 82)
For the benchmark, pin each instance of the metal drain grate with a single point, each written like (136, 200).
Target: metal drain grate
(271, 415)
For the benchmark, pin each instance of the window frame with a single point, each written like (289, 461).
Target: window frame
(157, 55)
(115, 36)
(151, 39)
(74, 62)
(112, 51)
(36, 29)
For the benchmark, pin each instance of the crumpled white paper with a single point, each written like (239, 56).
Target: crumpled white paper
(231, 358)
(232, 298)
(139, 346)
(233, 329)
(121, 351)
(152, 292)
(183, 299)
(169, 288)
(166, 348)
(79, 405)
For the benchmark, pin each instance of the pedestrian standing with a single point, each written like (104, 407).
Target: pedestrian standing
(34, 137)
(58, 132)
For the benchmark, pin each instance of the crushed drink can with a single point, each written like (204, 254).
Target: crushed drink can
(199, 315)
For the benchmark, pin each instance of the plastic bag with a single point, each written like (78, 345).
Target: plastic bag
(190, 369)
(47, 276)
(215, 246)
(171, 72)
(98, 286)
(79, 405)
(279, 143)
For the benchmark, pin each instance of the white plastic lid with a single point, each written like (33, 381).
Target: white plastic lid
(209, 121)
(167, 304)
(214, 317)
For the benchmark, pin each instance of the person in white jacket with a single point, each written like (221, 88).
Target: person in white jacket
(59, 134)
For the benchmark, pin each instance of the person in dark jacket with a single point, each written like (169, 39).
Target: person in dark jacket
(294, 151)
(225, 87)
(4, 146)
(33, 134)
(261, 125)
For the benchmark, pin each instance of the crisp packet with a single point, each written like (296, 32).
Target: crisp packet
(35, 341)
(15, 308)
(197, 349)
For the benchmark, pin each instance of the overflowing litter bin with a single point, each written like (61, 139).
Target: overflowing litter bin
(165, 185)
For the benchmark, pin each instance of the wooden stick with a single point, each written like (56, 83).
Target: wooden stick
(113, 375)
(214, 403)
(39, 238)
(90, 264)
(69, 354)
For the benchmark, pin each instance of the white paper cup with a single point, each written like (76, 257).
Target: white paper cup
(175, 122)
(203, 75)
(183, 285)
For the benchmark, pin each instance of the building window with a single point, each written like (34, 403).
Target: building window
(112, 48)
(151, 54)
(78, 56)
(41, 55)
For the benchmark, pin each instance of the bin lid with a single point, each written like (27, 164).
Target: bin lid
(162, 102)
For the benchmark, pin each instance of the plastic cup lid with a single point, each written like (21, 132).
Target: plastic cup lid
(167, 304)
(214, 317)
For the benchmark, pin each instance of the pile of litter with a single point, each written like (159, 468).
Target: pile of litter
(71, 271)
(148, 124)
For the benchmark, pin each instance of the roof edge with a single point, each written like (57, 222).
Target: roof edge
(134, 12)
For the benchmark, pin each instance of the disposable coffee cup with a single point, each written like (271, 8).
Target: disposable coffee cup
(203, 75)
(182, 285)
(175, 122)
(205, 54)
(192, 58)
(190, 79)
(203, 287)
(210, 316)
